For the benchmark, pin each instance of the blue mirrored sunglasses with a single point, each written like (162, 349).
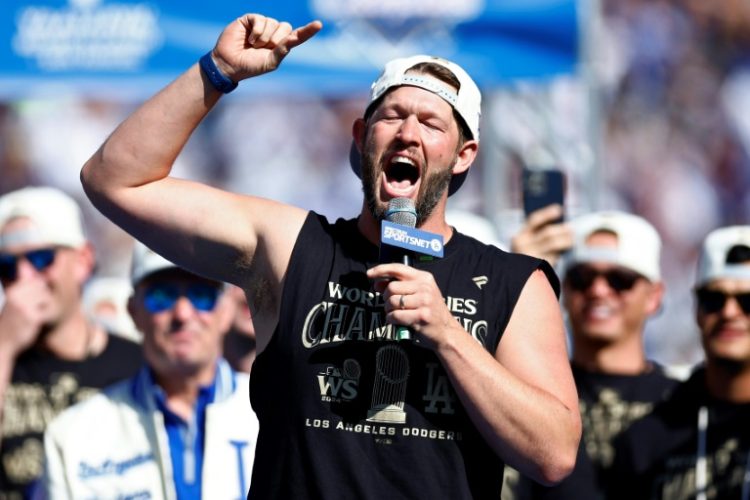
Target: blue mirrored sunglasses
(160, 297)
(40, 259)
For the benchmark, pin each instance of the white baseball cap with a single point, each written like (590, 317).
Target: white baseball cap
(146, 262)
(712, 263)
(467, 101)
(638, 243)
(55, 216)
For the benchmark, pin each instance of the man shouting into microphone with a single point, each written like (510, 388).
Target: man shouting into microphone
(346, 410)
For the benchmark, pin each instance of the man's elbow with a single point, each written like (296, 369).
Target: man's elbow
(557, 469)
(99, 184)
(561, 462)
(88, 177)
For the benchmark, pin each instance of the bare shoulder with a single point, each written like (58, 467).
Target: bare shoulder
(537, 310)
(538, 287)
(535, 329)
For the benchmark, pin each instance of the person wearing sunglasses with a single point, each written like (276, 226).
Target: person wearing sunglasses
(611, 287)
(182, 427)
(696, 445)
(51, 354)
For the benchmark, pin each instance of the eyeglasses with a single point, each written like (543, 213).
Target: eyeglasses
(41, 259)
(160, 297)
(581, 277)
(713, 301)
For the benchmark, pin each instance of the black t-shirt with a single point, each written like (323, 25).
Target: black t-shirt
(609, 404)
(347, 412)
(658, 457)
(41, 387)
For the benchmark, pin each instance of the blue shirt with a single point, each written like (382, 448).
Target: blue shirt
(186, 441)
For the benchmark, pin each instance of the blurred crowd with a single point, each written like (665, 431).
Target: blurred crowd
(676, 143)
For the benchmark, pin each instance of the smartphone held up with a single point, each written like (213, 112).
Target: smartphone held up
(542, 187)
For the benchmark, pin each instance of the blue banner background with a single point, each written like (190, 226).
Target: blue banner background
(131, 47)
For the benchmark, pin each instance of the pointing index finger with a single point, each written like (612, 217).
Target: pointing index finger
(302, 34)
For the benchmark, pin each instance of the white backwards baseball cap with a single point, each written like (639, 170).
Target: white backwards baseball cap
(56, 218)
(147, 262)
(712, 263)
(467, 101)
(638, 243)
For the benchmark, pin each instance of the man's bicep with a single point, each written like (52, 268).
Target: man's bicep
(207, 230)
(533, 346)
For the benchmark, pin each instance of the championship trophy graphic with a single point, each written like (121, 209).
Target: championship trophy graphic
(389, 391)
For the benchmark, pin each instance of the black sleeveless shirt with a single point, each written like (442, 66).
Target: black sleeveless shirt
(347, 412)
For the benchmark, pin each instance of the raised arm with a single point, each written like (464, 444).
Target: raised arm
(214, 232)
(523, 400)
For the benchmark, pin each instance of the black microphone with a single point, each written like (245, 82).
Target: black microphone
(400, 211)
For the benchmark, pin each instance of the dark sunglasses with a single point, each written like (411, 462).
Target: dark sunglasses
(581, 277)
(713, 301)
(41, 259)
(160, 297)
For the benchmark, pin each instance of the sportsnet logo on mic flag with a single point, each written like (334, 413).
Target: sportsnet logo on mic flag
(411, 239)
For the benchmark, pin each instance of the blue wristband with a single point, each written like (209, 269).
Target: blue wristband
(218, 79)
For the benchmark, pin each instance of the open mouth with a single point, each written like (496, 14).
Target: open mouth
(401, 172)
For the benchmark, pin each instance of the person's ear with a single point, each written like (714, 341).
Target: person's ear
(359, 130)
(465, 157)
(85, 263)
(654, 301)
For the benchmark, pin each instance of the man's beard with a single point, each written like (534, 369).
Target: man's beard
(430, 192)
